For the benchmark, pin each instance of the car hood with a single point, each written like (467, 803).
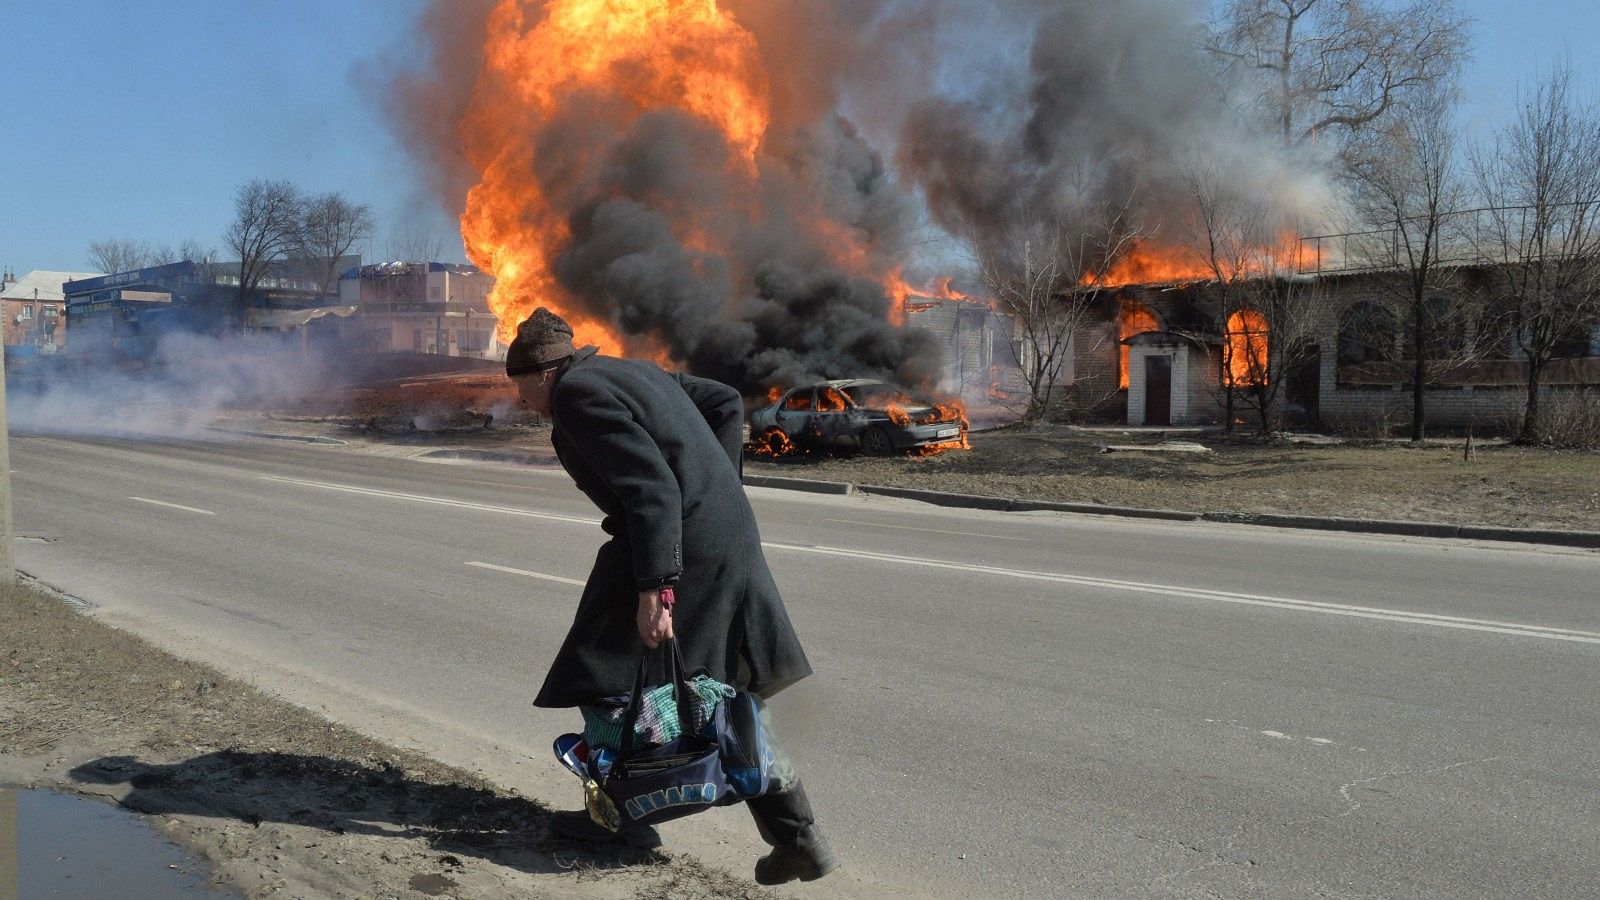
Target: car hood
(916, 411)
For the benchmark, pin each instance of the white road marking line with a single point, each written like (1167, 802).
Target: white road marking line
(511, 571)
(439, 501)
(203, 512)
(1336, 609)
(998, 537)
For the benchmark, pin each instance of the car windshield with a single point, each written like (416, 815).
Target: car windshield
(878, 396)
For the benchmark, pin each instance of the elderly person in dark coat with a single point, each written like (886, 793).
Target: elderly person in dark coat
(660, 455)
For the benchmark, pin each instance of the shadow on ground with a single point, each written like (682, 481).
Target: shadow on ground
(342, 797)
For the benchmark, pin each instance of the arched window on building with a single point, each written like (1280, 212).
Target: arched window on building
(1133, 318)
(1248, 353)
(1368, 332)
(1445, 335)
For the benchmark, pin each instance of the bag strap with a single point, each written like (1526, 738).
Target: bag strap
(630, 713)
(677, 674)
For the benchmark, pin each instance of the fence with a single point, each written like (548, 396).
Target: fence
(1483, 236)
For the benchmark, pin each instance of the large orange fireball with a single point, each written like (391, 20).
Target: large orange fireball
(628, 56)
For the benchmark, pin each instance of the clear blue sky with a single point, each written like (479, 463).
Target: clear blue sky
(140, 118)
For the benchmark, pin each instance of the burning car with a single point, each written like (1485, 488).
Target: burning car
(855, 414)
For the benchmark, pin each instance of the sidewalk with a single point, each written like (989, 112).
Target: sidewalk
(280, 800)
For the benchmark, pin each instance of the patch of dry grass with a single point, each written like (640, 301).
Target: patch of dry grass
(1517, 486)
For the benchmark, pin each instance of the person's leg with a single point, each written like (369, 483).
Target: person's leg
(786, 822)
(580, 824)
(783, 817)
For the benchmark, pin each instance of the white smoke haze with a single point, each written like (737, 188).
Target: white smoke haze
(1110, 101)
(919, 129)
(177, 392)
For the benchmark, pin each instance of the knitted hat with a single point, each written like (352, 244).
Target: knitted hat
(543, 341)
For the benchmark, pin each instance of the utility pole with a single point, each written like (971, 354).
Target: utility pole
(8, 566)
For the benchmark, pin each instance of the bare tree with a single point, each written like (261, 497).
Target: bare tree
(1265, 318)
(114, 255)
(332, 225)
(1406, 183)
(190, 250)
(413, 243)
(1539, 176)
(1227, 231)
(1270, 334)
(266, 222)
(1050, 274)
(1339, 65)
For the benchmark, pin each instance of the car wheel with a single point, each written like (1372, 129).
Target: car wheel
(777, 442)
(875, 441)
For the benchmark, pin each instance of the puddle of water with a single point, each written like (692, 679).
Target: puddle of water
(60, 845)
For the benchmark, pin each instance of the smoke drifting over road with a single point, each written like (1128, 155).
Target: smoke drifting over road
(686, 179)
(175, 392)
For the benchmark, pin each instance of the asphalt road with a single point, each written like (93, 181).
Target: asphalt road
(1006, 704)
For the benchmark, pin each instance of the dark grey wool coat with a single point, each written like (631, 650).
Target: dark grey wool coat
(661, 456)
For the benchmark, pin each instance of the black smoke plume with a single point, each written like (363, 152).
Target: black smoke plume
(770, 299)
(988, 108)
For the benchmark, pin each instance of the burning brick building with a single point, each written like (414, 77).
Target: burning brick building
(1154, 355)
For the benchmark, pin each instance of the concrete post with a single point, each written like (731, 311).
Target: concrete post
(8, 845)
(8, 567)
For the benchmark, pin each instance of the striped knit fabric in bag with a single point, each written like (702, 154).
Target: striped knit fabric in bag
(657, 722)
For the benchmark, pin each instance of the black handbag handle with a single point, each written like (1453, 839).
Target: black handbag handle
(677, 674)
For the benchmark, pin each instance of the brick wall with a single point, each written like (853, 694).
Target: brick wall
(1452, 407)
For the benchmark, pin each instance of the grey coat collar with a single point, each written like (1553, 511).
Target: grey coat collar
(574, 359)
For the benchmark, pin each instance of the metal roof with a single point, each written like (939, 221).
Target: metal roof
(42, 284)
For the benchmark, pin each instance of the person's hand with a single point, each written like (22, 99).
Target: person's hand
(655, 619)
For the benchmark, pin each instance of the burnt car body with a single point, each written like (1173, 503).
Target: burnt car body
(852, 414)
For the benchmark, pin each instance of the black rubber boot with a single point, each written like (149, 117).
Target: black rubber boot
(575, 825)
(806, 858)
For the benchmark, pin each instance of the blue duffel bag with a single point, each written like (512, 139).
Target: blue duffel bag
(676, 779)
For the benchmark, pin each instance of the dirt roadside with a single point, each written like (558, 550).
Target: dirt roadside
(279, 800)
(1502, 485)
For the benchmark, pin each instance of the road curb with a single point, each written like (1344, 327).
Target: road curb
(1131, 512)
(938, 498)
(271, 436)
(800, 484)
(1588, 540)
(1334, 523)
(468, 454)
